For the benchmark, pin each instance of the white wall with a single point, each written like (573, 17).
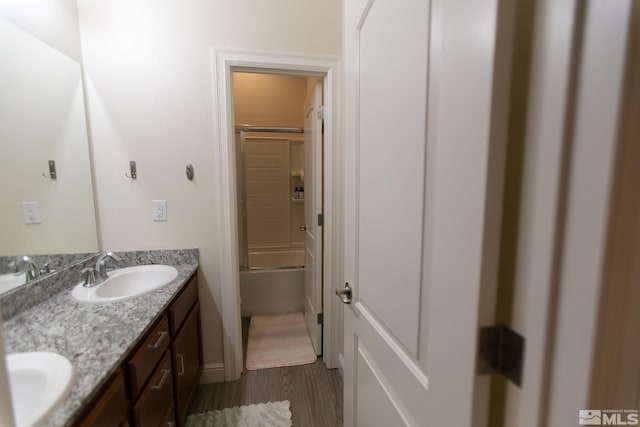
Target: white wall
(149, 80)
(53, 21)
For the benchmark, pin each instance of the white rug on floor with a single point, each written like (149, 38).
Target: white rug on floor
(272, 414)
(278, 340)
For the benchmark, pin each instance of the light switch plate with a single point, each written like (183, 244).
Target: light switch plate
(159, 210)
(31, 212)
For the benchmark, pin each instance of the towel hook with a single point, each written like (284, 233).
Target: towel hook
(52, 171)
(132, 168)
(190, 172)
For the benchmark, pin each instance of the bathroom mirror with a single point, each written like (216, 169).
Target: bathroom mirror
(42, 119)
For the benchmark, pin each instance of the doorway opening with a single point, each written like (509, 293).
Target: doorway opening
(278, 152)
(281, 234)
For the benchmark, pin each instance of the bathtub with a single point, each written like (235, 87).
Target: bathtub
(271, 291)
(276, 258)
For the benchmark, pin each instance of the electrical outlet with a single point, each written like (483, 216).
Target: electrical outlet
(31, 212)
(159, 210)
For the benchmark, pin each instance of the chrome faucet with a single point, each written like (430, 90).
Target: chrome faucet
(101, 266)
(25, 265)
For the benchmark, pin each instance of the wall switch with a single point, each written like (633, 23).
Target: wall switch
(159, 210)
(31, 212)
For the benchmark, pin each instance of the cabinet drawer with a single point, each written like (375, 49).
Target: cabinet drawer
(156, 397)
(182, 305)
(144, 361)
(112, 409)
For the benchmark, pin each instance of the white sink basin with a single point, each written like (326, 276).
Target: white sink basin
(39, 382)
(127, 283)
(10, 281)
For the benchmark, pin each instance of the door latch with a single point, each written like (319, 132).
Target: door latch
(345, 294)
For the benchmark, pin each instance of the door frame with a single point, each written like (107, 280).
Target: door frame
(224, 63)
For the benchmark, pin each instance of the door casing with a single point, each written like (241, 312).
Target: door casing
(224, 63)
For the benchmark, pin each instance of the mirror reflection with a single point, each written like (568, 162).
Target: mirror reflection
(42, 120)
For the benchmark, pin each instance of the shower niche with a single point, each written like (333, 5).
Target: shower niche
(297, 156)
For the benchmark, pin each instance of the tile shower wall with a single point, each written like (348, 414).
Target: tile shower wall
(267, 184)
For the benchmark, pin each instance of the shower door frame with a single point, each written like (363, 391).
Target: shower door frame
(243, 130)
(224, 63)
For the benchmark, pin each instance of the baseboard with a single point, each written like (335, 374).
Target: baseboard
(212, 373)
(341, 364)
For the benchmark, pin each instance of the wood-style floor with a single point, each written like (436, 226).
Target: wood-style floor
(314, 391)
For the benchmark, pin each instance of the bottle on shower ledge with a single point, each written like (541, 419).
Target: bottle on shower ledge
(296, 193)
(301, 193)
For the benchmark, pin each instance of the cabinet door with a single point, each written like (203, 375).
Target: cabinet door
(181, 306)
(169, 419)
(186, 352)
(112, 409)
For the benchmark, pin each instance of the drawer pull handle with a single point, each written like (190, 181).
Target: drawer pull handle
(181, 356)
(161, 337)
(165, 375)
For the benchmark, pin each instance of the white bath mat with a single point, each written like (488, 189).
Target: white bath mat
(272, 414)
(278, 340)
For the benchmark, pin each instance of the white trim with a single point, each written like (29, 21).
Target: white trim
(212, 373)
(590, 173)
(541, 207)
(224, 63)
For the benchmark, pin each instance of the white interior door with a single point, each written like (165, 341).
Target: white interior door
(313, 207)
(424, 157)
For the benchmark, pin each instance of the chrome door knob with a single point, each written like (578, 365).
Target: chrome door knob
(345, 294)
(302, 227)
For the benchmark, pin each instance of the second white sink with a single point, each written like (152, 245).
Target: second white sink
(10, 281)
(39, 383)
(127, 283)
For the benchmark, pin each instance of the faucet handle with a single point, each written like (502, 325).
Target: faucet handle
(50, 266)
(90, 277)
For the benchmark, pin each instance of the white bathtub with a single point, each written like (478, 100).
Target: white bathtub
(276, 258)
(271, 291)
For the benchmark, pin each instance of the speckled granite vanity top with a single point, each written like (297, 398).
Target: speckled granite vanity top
(94, 337)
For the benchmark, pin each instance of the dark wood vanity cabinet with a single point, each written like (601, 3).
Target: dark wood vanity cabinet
(186, 351)
(149, 408)
(112, 409)
(144, 361)
(161, 373)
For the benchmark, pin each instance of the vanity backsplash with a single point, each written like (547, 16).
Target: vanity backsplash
(48, 263)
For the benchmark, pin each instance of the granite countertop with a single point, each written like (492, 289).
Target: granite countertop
(94, 337)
